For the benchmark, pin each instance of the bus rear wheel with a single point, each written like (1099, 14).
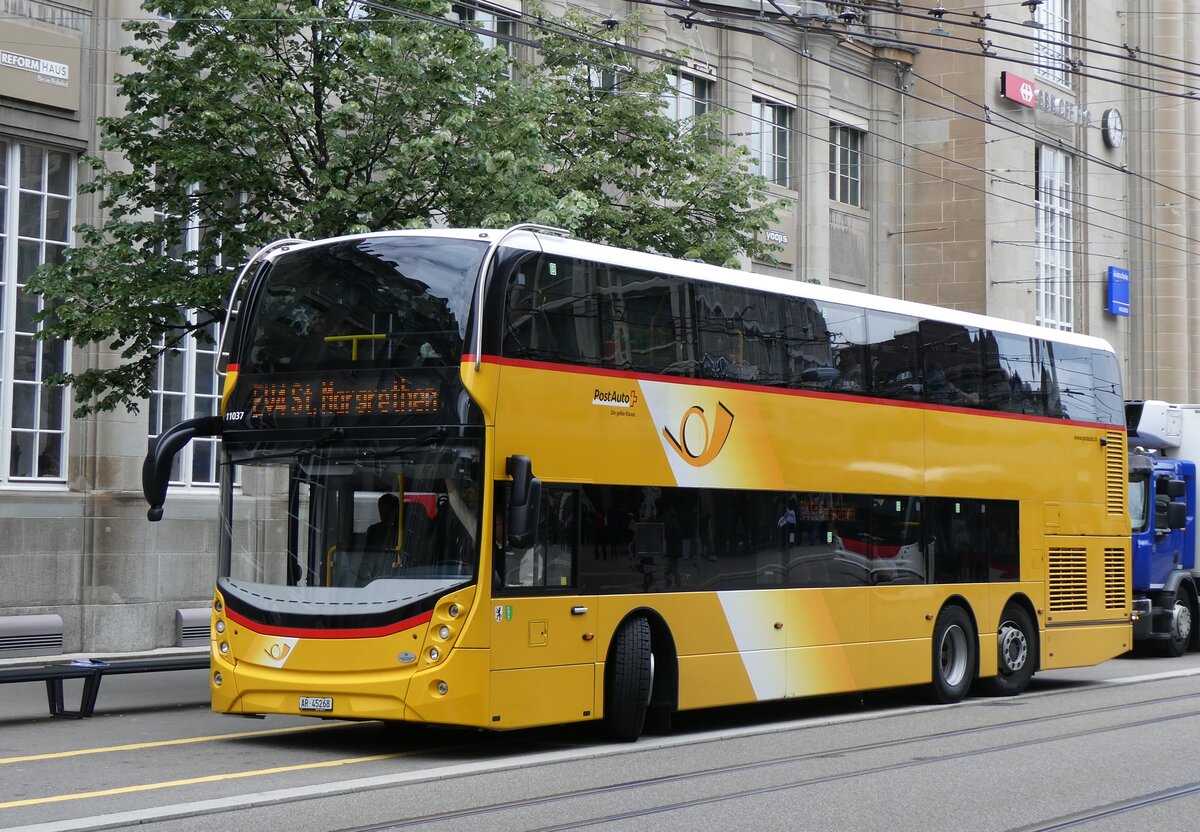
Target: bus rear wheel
(629, 680)
(953, 655)
(1016, 643)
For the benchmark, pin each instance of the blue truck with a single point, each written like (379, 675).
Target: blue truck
(1164, 441)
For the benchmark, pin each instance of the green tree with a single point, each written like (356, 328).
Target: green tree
(261, 119)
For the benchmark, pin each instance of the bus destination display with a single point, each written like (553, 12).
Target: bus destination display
(307, 398)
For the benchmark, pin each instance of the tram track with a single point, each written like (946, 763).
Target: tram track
(480, 814)
(540, 752)
(1112, 810)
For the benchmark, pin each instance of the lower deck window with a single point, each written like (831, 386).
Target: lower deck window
(616, 539)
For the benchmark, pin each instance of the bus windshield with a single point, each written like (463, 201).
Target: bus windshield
(354, 515)
(400, 302)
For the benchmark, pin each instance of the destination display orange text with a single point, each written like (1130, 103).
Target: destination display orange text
(332, 397)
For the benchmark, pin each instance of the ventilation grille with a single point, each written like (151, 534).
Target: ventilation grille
(1116, 478)
(1068, 579)
(192, 627)
(30, 635)
(1114, 579)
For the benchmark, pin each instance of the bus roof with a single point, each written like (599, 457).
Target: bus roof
(571, 247)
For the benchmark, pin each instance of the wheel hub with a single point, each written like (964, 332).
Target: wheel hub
(1014, 648)
(953, 655)
(1181, 621)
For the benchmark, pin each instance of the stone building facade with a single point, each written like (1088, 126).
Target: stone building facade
(1033, 161)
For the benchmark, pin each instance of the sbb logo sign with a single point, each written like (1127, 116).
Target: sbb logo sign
(1018, 89)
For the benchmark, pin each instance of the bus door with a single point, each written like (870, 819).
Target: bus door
(543, 632)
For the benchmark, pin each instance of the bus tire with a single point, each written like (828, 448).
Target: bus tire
(629, 679)
(1183, 622)
(1016, 643)
(953, 655)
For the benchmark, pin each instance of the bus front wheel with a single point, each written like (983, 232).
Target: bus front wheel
(953, 655)
(629, 680)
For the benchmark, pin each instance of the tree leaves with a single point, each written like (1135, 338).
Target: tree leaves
(258, 120)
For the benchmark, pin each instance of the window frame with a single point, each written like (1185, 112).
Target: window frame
(846, 145)
(1054, 270)
(771, 140)
(1053, 19)
(190, 351)
(50, 404)
(690, 96)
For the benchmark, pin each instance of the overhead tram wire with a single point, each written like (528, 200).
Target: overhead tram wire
(540, 23)
(722, 24)
(978, 46)
(682, 5)
(1121, 51)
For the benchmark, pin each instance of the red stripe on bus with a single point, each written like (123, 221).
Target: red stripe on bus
(782, 391)
(316, 632)
(871, 551)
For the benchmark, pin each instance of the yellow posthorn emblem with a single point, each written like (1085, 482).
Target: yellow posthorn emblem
(714, 439)
(278, 652)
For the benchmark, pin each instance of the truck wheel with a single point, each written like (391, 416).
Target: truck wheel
(629, 679)
(953, 655)
(1016, 641)
(1180, 635)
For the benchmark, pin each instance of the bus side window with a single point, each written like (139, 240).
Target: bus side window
(550, 562)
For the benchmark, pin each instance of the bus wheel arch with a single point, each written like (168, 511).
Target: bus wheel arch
(954, 654)
(664, 694)
(641, 677)
(1018, 649)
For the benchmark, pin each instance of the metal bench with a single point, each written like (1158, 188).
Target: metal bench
(91, 671)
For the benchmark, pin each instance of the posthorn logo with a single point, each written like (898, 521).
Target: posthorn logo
(690, 447)
(614, 398)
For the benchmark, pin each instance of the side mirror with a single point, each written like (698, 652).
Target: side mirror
(1176, 488)
(1177, 515)
(156, 469)
(524, 503)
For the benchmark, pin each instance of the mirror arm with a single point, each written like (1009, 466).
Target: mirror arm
(156, 469)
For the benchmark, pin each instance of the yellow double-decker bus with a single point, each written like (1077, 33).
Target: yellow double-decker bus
(507, 478)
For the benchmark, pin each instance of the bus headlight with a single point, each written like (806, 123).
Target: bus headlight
(217, 679)
(453, 611)
(220, 625)
(224, 648)
(434, 654)
(442, 688)
(444, 632)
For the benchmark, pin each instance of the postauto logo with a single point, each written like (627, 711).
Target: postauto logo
(614, 398)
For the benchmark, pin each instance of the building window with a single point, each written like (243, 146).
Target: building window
(771, 140)
(36, 214)
(689, 96)
(186, 384)
(1052, 34)
(489, 24)
(1054, 242)
(845, 164)
(185, 387)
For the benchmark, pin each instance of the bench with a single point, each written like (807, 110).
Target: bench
(91, 671)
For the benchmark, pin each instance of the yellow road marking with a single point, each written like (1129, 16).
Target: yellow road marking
(57, 755)
(191, 781)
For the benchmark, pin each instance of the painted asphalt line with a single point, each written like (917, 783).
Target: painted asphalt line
(343, 787)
